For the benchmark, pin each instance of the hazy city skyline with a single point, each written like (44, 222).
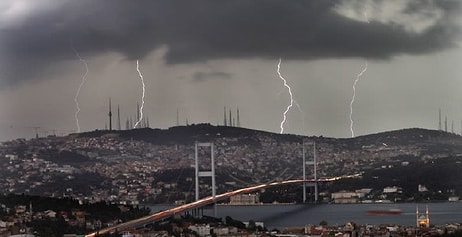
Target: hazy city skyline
(199, 57)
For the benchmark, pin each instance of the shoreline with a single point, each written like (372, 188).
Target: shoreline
(309, 203)
(259, 204)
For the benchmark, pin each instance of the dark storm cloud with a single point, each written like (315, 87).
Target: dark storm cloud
(201, 30)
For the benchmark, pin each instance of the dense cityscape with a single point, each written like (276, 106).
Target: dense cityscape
(133, 167)
(134, 171)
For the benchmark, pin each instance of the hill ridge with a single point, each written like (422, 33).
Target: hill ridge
(207, 132)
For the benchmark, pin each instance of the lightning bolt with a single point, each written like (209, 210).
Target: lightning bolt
(82, 82)
(144, 90)
(356, 82)
(353, 98)
(290, 93)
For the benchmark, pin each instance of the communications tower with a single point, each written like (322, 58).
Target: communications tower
(110, 116)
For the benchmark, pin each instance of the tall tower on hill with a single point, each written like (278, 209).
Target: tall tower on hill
(224, 117)
(238, 120)
(110, 115)
(446, 124)
(230, 120)
(439, 121)
(118, 118)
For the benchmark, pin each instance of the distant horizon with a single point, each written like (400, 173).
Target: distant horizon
(214, 125)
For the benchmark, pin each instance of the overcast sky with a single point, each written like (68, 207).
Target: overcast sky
(197, 57)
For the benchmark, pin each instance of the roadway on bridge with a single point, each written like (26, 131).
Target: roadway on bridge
(200, 203)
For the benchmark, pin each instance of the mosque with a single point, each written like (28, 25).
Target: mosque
(423, 219)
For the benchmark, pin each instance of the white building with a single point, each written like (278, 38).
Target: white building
(221, 231)
(422, 188)
(453, 199)
(393, 189)
(347, 196)
(201, 230)
(245, 199)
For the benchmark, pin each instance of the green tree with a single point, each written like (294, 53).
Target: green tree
(238, 224)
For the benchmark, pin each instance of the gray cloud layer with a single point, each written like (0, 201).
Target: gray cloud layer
(202, 76)
(201, 30)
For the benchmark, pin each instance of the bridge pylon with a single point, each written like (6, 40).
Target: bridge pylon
(205, 173)
(314, 164)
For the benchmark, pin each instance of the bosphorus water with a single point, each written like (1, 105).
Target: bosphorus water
(298, 215)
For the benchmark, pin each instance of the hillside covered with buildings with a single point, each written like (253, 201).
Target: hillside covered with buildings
(157, 166)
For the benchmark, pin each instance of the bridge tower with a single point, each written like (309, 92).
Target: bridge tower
(205, 173)
(314, 164)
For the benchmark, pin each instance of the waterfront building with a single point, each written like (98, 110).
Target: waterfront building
(423, 219)
(245, 199)
(347, 196)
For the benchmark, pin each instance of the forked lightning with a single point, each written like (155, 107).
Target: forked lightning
(142, 97)
(82, 82)
(353, 98)
(290, 93)
(356, 82)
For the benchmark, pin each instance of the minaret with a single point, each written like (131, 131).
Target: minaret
(127, 125)
(110, 116)
(427, 217)
(118, 118)
(452, 126)
(224, 117)
(238, 120)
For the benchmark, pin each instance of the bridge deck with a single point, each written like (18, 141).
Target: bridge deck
(200, 203)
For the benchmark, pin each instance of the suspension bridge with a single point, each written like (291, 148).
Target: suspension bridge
(143, 221)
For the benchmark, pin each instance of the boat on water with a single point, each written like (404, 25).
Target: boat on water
(392, 211)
